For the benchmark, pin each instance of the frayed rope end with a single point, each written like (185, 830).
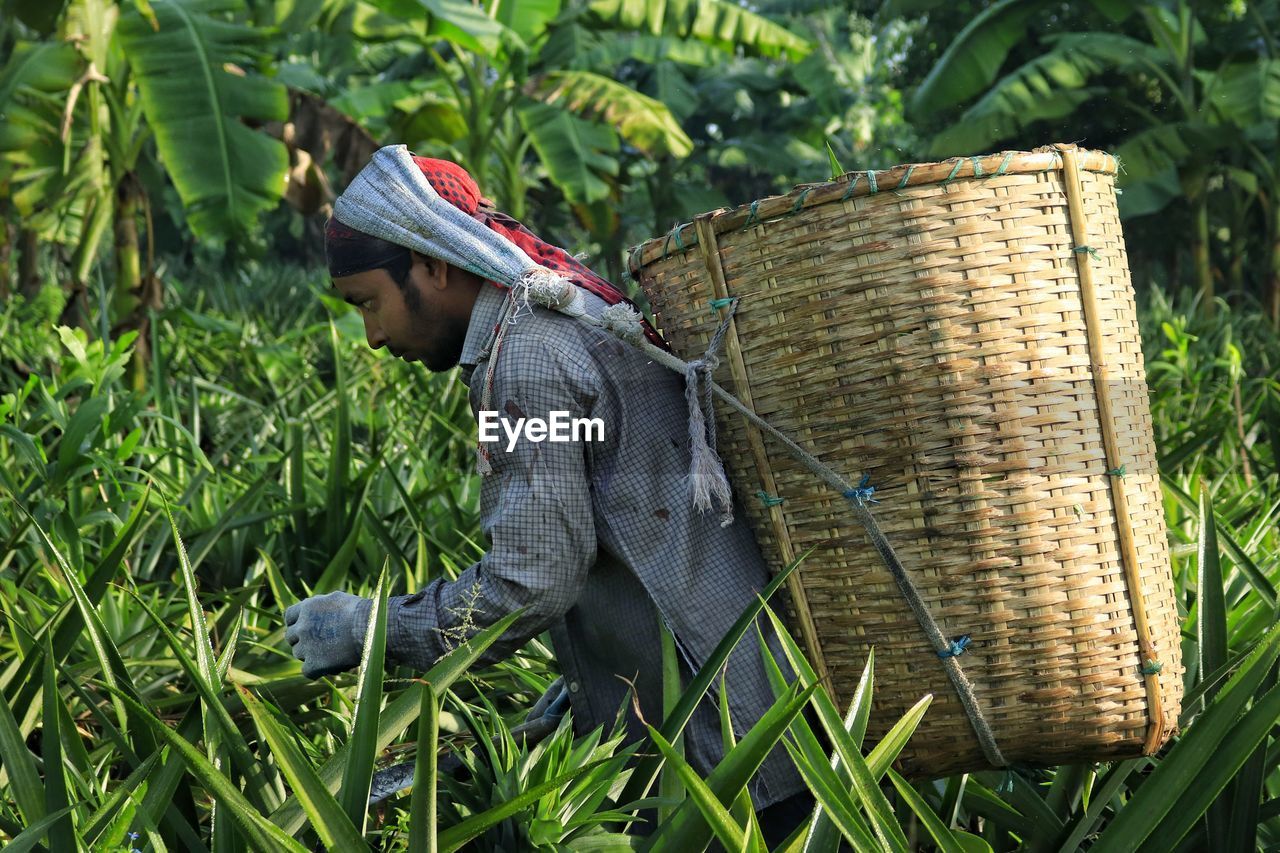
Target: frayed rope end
(549, 289)
(707, 480)
(624, 322)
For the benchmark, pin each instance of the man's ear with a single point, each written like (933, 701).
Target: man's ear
(436, 269)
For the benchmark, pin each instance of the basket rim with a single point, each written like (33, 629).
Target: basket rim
(854, 184)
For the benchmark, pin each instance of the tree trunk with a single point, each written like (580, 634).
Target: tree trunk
(28, 267)
(1236, 288)
(6, 255)
(134, 295)
(1273, 277)
(660, 201)
(1200, 253)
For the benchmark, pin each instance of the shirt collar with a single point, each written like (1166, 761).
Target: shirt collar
(484, 316)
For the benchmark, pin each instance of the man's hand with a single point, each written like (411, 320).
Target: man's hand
(552, 704)
(327, 632)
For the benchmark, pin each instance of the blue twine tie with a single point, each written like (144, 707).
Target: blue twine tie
(862, 492)
(956, 647)
(768, 499)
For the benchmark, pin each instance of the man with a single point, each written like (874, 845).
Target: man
(596, 540)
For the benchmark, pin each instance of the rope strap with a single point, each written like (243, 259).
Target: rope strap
(706, 473)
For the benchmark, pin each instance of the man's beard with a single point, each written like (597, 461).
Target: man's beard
(445, 348)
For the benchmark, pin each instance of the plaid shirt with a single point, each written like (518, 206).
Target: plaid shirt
(596, 538)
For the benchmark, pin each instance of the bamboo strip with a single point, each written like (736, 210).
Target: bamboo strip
(733, 349)
(1124, 528)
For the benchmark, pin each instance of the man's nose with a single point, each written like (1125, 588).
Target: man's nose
(373, 333)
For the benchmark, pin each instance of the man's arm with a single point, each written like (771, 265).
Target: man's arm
(535, 508)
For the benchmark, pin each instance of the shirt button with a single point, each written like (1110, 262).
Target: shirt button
(573, 687)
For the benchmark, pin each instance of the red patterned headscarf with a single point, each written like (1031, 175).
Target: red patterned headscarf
(456, 186)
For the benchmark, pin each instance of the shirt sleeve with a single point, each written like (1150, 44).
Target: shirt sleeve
(535, 508)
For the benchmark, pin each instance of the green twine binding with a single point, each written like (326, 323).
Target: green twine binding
(768, 499)
(848, 193)
(954, 170)
(752, 218)
(977, 166)
(1151, 667)
(871, 179)
(1093, 253)
(665, 244)
(795, 208)
(679, 242)
(1004, 164)
(906, 176)
(1118, 472)
(720, 302)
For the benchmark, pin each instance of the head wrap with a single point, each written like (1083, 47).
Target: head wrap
(435, 208)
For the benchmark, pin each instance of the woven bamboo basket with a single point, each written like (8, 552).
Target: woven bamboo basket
(963, 332)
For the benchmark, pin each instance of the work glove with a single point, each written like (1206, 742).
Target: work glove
(327, 632)
(552, 704)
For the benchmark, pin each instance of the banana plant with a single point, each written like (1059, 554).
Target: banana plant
(85, 108)
(1214, 104)
(548, 91)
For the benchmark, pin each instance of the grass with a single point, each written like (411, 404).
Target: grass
(155, 538)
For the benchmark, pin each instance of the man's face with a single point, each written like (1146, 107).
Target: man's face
(426, 321)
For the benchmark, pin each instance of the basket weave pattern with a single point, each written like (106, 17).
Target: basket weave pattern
(933, 336)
